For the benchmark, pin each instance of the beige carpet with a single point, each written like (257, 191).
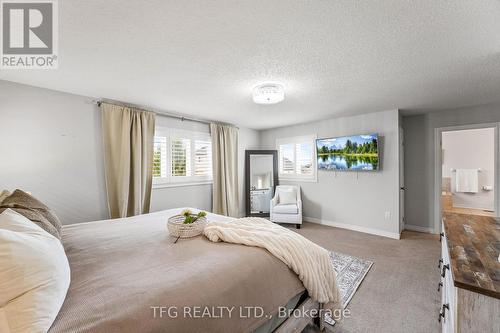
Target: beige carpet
(399, 293)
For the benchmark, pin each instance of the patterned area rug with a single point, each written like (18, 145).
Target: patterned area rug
(350, 273)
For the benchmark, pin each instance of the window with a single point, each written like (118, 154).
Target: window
(180, 152)
(203, 158)
(160, 157)
(297, 158)
(181, 157)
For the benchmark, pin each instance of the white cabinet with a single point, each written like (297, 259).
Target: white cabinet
(448, 291)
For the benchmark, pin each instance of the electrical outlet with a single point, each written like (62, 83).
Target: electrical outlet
(387, 215)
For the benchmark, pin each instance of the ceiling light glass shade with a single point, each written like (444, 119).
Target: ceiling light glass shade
(268, 93)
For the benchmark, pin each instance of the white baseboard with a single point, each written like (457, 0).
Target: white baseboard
(429, 230)
(366, 230)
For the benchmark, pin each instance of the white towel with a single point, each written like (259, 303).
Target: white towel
(308, 260)
(466, 180)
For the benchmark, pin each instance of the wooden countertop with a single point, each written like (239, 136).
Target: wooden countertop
(474, 246)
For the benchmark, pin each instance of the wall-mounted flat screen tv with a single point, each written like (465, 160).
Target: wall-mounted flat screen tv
(355, 152)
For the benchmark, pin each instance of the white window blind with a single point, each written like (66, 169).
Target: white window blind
(287, 158)
(181, 157)
(202, 158)
(304, 155)
(297, 158)
(180, 152)
(160, 157)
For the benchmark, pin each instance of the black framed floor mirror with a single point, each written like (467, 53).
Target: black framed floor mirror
(261, 179)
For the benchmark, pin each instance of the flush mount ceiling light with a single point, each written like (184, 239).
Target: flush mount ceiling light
(268, 93)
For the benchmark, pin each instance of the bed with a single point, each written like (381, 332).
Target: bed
(128, 275)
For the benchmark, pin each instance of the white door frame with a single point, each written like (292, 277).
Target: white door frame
(438, 167)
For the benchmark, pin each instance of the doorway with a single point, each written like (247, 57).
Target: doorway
(466, 171)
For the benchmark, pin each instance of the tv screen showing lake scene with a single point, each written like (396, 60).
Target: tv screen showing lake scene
(356, 152)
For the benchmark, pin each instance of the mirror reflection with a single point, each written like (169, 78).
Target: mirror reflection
(261, 183)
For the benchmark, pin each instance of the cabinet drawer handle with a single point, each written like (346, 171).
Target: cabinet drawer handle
(440, 285)
(440, 263)
(441, 235)
(443, 311)
(445, 267)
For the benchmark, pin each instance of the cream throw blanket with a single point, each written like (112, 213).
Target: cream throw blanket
(308, 260)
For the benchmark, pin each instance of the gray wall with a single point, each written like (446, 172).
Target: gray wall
(248, 140)
(418, 170)
(356, 200)
(419, 156)
(51, 145)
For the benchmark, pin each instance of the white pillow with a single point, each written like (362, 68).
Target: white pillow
(287, 197)
(34, 277)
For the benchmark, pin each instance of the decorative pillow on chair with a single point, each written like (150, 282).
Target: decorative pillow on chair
(287, 197)
(34, 278)
(33, 209)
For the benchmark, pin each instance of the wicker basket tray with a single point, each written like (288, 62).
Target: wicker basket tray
(177, 228)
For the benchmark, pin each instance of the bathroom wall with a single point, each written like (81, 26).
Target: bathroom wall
(471, 149)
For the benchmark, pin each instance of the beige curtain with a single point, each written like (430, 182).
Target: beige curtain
(225, 169)
(128, 136)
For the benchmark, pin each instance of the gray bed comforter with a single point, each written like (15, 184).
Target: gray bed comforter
(127, 275)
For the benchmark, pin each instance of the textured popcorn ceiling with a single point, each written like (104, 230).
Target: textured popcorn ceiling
(202, 57)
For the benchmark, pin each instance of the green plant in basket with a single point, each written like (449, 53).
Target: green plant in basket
(189, 217)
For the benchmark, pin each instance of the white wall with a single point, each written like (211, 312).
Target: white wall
(355, 200)
(471, 149)
(51, 145)
(419, 156)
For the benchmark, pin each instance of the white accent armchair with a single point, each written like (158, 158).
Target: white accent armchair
(286, 206)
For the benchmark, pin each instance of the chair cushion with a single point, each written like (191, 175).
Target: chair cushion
(286, 209)
(287, 197)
